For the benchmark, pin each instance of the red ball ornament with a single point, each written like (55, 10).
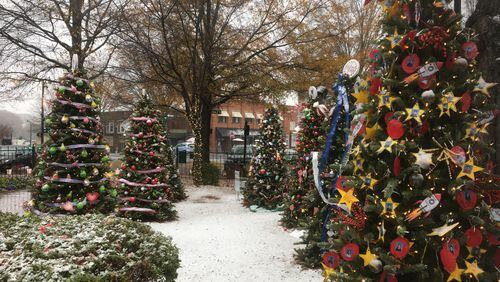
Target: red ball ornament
(131, 199)
(469, 49)
(448, 259)
(400, 247)
(453, 247)
(340, 184)
(155, 181)
(466, 199)
(331, 259)
(151, 154)
(349, 252)
(387, 277)
(149, 122)
(262, 171)
(140, 135)
(395, 129)
(458, 155)
(474, 237)
(132, 167)
(411, 63)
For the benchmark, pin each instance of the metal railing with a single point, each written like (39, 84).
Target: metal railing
(17, 160)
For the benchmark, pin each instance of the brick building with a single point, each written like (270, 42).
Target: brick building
(227, 123)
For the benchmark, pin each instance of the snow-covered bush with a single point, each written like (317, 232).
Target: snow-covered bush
(83, 248)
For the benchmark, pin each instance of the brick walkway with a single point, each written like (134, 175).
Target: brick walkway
(13, 201)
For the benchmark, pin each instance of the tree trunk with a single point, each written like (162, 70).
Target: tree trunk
(76, 7)
(486, 22)
(206, 114)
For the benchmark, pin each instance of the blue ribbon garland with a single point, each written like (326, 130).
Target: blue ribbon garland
(342, 100)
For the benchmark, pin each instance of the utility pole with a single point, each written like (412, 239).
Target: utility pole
(42, 116)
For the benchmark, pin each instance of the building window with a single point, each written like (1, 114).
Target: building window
(222, 119)
(249, 120)
(110, 127)
(121, 127)
(236, 120)
(292, 125)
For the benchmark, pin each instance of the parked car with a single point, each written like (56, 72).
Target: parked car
(235, 159)
(184, 147)
(15, 157)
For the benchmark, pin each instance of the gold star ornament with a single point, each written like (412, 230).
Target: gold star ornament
(473, 131)
(358, 164)
(362, 97)
(441, 231)
(371, 131)
(395, 39)
(423, 158)
(389, 207)
(472, 268)
(448, 104)
(368, 257)
(347, 198)
(468, 169)
(385, 100)
(368, 181)
(414, 113)
(386, 145)
(483, 86)
(455, 275)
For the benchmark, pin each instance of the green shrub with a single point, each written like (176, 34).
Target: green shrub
(210, 174)
(16, 182)
(83, 248)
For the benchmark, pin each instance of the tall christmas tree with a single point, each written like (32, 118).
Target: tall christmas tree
(145, 193)
(412, 210)
(173, 176)
(299, 209)
(74, 164)
(267, 172)
(310, 254)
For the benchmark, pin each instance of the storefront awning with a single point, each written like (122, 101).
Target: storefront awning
(224, 114)
(249, 115)
(237, 115)
(236, 132)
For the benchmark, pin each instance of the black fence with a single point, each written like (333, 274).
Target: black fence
(17, 160)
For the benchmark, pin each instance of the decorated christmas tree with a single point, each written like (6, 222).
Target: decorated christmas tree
(413, 209)
(73, 168)
(145, 192)
(335, 125)
(298, 207)
(267, 171)
(174, 179)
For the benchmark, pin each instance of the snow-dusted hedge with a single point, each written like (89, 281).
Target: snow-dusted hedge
(83, 248)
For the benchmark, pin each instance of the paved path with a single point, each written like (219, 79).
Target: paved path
(13, 201)
(219, 240)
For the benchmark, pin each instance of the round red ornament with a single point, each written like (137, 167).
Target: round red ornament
(448, 259)
(262, 171)
(349, 252)
(331, 259)
(131, 199)
(151, 153)
(470, 50)
(453, 247)
(132, 167)
(387, 277)
(340, 184)
(395, 129)
(149, 122)
(466, 199)
(411, 63)
(474, 237)
(458, 155)
(400, 247)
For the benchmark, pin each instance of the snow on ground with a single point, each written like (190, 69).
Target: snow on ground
(220, 240)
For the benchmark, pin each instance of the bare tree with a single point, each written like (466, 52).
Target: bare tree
(210, 51)
(38, 36)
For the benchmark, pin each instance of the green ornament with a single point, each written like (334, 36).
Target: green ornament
(62, 89)
(80, 205)
(45, 187)
(105, 158)
(102, 189)
(79, 83)
(48, 121)
(52, 150)
(84, 153)
(113, 193)
(83, 173)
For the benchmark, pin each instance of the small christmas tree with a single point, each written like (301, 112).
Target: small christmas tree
(412, 210)
(74, 163)
(299, 209)
(267, 171)
(174, 179)
(145, 192)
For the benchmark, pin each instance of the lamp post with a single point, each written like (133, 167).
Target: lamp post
(42, 116)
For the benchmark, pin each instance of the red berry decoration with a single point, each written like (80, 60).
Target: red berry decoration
(474, 237)
(395, 129)
(155, 181)
(349, 252)
(262, 171)
(470, 50)
(411, 63)
(331, 259)
(466, 199)
(400, 247)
